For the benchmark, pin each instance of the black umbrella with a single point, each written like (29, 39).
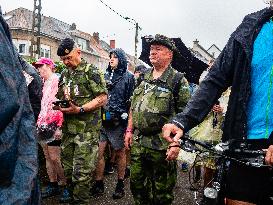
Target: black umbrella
(184, 62)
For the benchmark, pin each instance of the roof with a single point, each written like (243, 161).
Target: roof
(21, 18)
(213, 45)
(94, 47)
(204, 50)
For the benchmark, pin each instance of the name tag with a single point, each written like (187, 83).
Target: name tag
(165, 90)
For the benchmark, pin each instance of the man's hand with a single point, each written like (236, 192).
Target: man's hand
(128, 140)
(217, 109)
(170, 130)
(269, 155)
(173, 151)
(72, 109)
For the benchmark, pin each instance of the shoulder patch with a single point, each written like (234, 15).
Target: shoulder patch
(94, 74)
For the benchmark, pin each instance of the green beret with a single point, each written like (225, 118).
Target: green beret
(164, 41)
(66, 46)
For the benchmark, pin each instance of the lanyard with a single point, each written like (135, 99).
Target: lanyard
(268, 104)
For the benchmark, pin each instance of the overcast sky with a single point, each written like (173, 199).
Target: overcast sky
(209, 21)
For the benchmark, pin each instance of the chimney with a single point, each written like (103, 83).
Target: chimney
(73, 26)
(112, 44)
(96, 36)
(196, 41)
(195, 45)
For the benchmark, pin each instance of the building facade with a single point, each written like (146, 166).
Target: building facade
(94, 50)
(205, 55)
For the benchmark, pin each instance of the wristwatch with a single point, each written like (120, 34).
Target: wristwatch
(82, 110)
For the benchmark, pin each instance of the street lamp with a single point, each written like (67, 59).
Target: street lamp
(136, 35)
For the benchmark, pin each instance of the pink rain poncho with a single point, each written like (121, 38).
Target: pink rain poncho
(49, 120)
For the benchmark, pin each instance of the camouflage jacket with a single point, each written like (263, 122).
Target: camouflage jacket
(82, 85)
(153, 105)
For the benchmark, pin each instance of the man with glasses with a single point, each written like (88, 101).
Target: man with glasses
(83, 86)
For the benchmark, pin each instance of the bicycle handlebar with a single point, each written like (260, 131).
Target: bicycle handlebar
(254, 158)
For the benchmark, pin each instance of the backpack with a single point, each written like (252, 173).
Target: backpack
(175, 86)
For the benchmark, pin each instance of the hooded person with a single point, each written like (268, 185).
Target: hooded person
(18, 146)
(120, 84)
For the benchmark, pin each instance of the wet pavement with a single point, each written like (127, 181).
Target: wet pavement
(183, 194)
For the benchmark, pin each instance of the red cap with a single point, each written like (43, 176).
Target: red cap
(43, 61)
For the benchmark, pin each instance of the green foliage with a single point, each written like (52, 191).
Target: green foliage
(30, 60)
(59, 66)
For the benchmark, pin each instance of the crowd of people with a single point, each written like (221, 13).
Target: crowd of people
(83, 116)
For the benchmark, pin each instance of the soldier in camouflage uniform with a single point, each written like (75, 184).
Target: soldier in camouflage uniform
(84, 86)
(161, 94)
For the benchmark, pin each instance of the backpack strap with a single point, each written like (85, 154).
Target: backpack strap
(176, 85)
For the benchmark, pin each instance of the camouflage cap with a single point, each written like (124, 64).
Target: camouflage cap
(66, 46)
(164, 41)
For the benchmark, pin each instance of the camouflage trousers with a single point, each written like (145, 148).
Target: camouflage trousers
(79, 158)
(152, 177)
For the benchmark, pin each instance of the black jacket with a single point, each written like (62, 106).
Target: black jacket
(34, 88)
(120, 86)
(232, 68)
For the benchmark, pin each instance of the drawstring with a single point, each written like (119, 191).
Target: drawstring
(268, 104)
(112, 74)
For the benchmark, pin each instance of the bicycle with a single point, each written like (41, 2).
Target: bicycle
(225, 153)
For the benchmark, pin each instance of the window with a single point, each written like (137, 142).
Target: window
(42, 53)
(45, 51)
(82, 43)
(22, 48)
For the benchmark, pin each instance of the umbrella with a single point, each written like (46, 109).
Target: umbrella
(184, 62)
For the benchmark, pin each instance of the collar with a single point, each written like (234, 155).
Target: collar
(82, 65)
(163, 78)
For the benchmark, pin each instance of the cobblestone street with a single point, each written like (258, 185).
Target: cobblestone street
(183, 195)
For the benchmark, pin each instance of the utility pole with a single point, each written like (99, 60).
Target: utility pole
(135, 23)
(136, 42)
(35, 47)
(136, 35)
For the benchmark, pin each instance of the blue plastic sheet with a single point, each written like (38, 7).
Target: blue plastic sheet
(18, 147)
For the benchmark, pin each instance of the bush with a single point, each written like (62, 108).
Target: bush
(59, 66)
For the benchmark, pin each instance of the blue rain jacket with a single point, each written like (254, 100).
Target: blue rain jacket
(18, 147)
